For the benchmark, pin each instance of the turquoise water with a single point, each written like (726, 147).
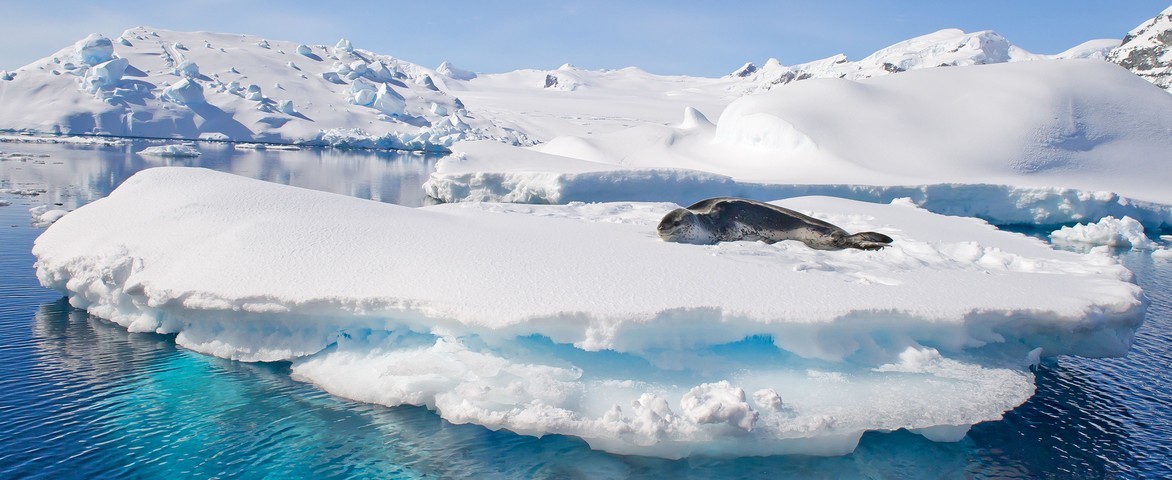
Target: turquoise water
(82, 398)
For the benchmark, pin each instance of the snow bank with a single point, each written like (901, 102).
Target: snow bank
(578, 320)
(1125, 232)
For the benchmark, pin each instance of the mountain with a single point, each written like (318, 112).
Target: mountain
(1147, 50)
(215, 86)
(944, 48)
(201, 85)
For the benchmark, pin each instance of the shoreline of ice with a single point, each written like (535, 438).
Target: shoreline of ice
(645, 348)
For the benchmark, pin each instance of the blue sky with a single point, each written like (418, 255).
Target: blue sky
(667, 37)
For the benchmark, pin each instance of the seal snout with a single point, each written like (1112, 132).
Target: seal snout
(683, 226)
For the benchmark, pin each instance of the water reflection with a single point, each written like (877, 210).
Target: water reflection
(101, 402)
(72, 175)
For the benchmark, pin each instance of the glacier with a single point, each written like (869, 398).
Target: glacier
(1044, 142)
(576, 319)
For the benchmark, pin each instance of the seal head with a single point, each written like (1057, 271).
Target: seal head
(685, 226)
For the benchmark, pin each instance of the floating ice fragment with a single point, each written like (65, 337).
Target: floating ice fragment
(43, 216)
(1126, 232)
(718, 402)
(171, 151)
(768, 399)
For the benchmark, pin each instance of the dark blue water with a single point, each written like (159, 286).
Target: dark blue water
(82, 398)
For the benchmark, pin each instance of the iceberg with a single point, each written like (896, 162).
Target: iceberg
(576, 319)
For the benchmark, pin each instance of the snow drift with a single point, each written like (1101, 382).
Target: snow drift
(577, 320)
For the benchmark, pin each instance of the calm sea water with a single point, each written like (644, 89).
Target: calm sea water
(82, 398)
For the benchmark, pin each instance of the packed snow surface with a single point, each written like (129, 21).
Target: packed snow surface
(576, 319)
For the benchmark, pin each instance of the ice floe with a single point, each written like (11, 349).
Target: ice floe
(576, 319)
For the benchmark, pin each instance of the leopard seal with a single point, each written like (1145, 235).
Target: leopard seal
(727, 219)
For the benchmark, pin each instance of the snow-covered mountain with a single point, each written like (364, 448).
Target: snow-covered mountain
(944, 48)
(201, 85)
(1147, 50)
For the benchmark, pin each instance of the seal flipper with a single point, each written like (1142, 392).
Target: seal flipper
(867, 241)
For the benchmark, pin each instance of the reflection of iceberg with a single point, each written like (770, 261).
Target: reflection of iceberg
(577, 320)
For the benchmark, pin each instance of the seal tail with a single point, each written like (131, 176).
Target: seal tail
(867, 240)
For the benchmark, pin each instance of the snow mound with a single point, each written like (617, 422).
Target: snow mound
(171, 151)
(1124, 232)
(578, 320)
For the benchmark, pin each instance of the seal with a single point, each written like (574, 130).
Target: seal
(728, 219)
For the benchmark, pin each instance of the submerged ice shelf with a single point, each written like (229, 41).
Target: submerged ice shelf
(576, 319)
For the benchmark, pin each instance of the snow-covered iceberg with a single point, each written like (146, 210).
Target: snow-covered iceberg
(576, 319)
(1050, 141)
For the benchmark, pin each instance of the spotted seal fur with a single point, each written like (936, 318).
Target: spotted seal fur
(727, 219)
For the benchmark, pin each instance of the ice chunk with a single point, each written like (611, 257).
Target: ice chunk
(388, 101)
(718, 402)
(344, 45)
(1125, 232)
(304, 49)
(187, 68)
(178, 46)
(105, 75)
(44, 215)
(286, 107)
(253, 93)
(6, 75)
(94, 49)
(768, 399)
(184, 92)
(173, 150)
(438, 109)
